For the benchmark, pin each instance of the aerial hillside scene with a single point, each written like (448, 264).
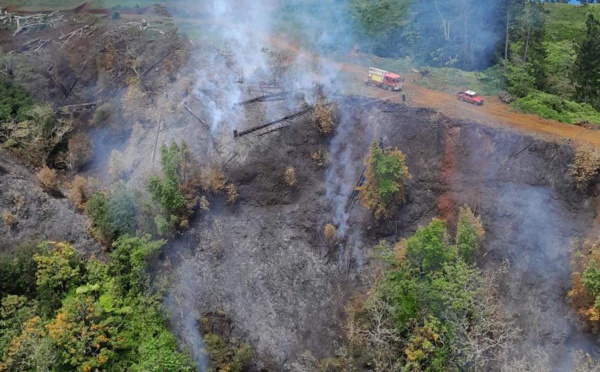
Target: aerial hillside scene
(299, 185)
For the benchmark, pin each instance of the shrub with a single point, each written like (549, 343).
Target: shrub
(289, 175)
(9, 219)
(97, 208)
(585, 283)
(115, 165)
(226, 355)
(213, 180)
(330, 233)
(586, 165)
(323, 117)
(79, 191)
(428, 310)
(79, 151)
(165, 190)
(553, 107)
(231, 192)
(48, 178)
(164, 227)
(37, 135)
(385, 174)
(320, 157)
(14, 102)
(204, 203)
(469, 233)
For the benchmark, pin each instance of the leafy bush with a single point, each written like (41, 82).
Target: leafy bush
(585, 283)
(386, 173)
(14, 103)
(112, 213)
(165, 190)
(97, 209)
(552, 107)
(17, 272)
(469, 233)
(227, 355)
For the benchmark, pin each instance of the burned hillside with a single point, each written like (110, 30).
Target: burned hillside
(244, 161)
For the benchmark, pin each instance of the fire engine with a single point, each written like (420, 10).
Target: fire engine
(384, 79)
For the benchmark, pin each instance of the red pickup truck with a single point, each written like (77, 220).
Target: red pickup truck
(470, 96)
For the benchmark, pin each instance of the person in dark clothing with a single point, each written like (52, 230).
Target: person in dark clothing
(403, 98)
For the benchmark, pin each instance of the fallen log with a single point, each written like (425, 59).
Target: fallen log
(160, 60)
(197, 118)
(299, 113)
(265, 97)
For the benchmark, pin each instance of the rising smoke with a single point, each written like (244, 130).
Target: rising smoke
(235, 65)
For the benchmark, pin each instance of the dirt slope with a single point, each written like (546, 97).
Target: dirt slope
(37, 215)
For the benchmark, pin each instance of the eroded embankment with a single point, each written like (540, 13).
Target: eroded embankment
(265, 264)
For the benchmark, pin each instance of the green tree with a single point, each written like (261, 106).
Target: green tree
(469, 234)
(58, 271)
(586, 75)
(166, 190)
(128, 261)
(14, 102)
(98, 209)
(428, 248)
(385, 175)
(85, 334)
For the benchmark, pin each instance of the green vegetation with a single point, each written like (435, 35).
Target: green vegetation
(14, 103)
(175, 161)
(553, 107)
(431, 308)
(112, 213)
(488, 82)
(84, 316)
(567, 22)
(585, 283)
(586, 74)
(226, 355)
(386, 173)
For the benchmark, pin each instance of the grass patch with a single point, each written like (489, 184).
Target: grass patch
(487, 82)
(549, 106)
(567, 21)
